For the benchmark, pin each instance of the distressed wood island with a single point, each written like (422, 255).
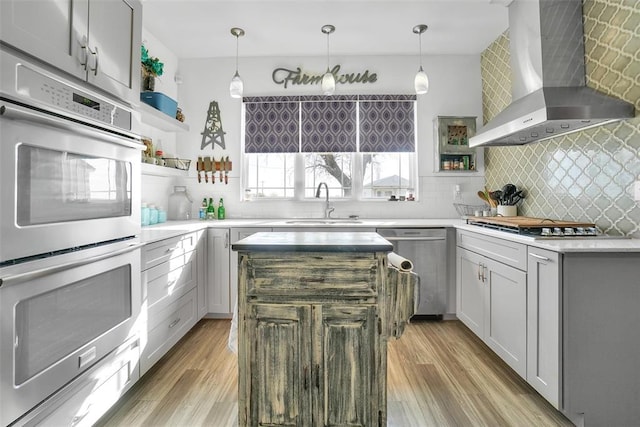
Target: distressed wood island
(312, 340)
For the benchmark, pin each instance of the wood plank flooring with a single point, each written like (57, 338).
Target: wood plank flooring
(439, 374)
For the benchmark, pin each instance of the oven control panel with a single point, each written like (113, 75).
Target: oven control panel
(63, 96)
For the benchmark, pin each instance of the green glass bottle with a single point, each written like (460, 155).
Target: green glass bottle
(211, 211)
(221, 212)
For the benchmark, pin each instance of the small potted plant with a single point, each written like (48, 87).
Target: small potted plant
(151, 68)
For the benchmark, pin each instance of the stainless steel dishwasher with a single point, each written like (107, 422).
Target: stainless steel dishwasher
(427, 249)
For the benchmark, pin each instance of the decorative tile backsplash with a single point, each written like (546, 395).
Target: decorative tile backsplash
(587, 175)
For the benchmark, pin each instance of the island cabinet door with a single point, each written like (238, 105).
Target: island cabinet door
(279, 345)
(346, 383)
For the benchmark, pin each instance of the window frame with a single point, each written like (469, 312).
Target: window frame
(357, 171)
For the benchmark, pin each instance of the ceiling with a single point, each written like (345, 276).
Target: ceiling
(201, 28)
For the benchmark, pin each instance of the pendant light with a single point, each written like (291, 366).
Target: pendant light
(421, 81)
(237, 86)
(328, 80)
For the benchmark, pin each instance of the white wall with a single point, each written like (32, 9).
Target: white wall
(455, 91)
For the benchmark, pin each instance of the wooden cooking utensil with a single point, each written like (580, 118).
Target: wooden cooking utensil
(207, 168)
(199, 168)
(227, 168)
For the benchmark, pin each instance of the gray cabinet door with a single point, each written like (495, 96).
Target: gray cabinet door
(53, 31)
(218, 289)
(543, 323)
(505, 314)
(115, 33)
(345, 359)
(470, 290)
(279, 348)
(94, 40)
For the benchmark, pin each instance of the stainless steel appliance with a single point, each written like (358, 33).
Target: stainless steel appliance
(60, 316)
(69, 164)
(427, 249)
(70, 291)
(550, 95)
(538, 228)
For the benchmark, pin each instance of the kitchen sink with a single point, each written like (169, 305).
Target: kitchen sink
(323, 221)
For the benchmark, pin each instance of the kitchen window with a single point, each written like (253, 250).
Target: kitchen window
(363, 147)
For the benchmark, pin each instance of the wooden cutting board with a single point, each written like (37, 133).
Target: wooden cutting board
(527, 222)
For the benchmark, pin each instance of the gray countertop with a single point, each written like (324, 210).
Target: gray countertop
(176, 228)
(316, 241)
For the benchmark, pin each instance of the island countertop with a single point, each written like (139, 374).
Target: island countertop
(314, 242)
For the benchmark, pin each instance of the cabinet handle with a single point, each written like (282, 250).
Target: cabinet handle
(226, 240)
(85, 56)
(172, 249)
(480, 271)
(540, 257)
(95, 54)
(174, 323)
(484, 274)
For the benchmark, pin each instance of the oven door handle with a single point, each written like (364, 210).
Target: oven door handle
(127, 139)
(35, 274)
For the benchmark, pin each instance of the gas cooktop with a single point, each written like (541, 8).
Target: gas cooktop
(539, 228)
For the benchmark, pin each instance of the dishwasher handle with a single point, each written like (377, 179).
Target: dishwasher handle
(414, 239)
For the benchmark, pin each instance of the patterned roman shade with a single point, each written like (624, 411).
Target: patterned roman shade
(321, 124)
(387, 123)
(272, 125)
(328, 126)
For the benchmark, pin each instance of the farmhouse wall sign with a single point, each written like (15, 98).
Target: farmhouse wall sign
(293, 77)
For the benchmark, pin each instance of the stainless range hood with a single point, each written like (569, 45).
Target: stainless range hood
(549, 93)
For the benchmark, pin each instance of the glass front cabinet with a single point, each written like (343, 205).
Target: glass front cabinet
(452, 148)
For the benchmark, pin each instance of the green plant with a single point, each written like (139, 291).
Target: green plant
(151, 65)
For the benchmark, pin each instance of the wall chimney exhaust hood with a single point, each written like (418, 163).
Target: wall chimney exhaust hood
(549, 92)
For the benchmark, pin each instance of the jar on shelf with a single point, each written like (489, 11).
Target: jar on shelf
(179, 204)
(145, 214)
(153, 214)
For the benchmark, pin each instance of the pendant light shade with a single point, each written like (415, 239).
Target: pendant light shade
(236, 87)
(328, 80)
(421, 81)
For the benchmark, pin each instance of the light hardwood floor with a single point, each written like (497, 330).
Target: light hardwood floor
(439, 374)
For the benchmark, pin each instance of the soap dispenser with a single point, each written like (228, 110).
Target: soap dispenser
(179, 204)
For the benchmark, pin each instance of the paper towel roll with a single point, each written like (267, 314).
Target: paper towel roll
(399, 262)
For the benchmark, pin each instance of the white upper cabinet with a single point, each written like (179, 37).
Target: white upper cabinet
(95, 40)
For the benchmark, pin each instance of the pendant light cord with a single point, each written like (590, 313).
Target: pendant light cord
(419, 47)
(328, 62)
(237, 37)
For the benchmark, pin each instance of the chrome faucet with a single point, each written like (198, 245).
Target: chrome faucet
(327, 208)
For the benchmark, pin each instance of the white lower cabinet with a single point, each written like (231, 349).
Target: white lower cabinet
(166, 327)
(218, 289)
(173, 291)
(543, 323)
(491, 301)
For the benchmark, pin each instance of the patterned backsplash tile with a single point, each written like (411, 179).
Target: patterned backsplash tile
(586, 175)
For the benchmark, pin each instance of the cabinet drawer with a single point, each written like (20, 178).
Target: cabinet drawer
(501, 250)
(89, 397)
(309, 274)
(170, 280)
(164, 250)
(166, 327)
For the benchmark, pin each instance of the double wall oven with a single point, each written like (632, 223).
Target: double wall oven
(70, 291)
